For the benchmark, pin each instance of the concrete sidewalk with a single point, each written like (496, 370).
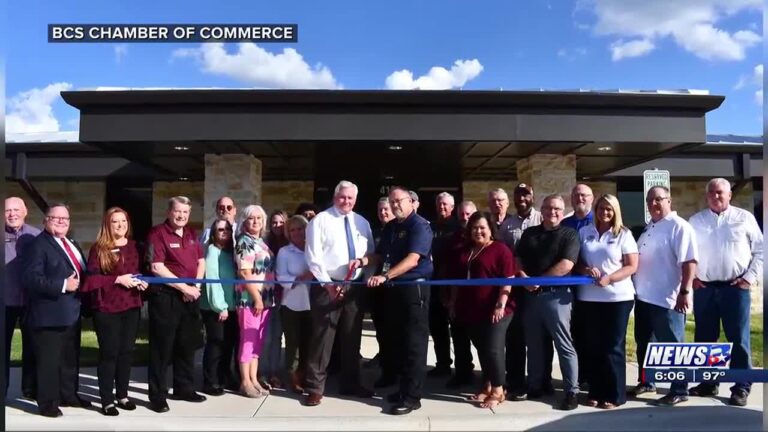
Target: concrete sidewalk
(442, 409)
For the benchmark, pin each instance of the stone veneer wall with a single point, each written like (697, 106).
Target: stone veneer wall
(162, 191)
(86, 202)
(688, 197)
(601, 187)
(548, 174)
(234, 175)
(286, 195)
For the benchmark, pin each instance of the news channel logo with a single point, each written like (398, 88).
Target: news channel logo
(669, 355)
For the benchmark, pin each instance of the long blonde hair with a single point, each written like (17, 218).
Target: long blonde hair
(618, 224)
(105, 241)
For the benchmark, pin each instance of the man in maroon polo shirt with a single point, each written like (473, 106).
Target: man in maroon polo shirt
(174, 314)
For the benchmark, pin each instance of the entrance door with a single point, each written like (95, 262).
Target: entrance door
(425, 167)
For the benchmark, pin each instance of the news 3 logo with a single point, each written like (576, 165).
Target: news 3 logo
(687, 355)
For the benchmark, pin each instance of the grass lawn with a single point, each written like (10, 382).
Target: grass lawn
(90, 347)
(756, 342)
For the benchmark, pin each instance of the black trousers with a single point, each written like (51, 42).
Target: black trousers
(381, 316)
(175, 333)
(116, 333)
(57, 350)
(14, 315)
(221, 339)
(328, 318)
(462, 349)
(438, 327)
(605, 331)
(516, 349)
(579, 335)
(297, 327)
(490, 339)
(408, 335)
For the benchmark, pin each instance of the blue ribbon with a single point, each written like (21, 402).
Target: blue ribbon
(541, 281)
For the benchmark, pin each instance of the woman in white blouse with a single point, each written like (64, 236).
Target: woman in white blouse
(297, 321)
(608, 254)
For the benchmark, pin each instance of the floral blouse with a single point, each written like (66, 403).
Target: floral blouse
(253, 253)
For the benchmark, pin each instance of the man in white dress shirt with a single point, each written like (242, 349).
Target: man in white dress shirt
(730, 262)
(335, 238)
(663, 282)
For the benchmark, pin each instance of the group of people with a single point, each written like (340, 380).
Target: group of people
(312, 276)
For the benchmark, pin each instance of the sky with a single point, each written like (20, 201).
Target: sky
(712, 45)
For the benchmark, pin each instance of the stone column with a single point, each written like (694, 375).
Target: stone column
(234, 175)
(548, 174)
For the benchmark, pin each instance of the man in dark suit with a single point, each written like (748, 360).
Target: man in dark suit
(55, 269)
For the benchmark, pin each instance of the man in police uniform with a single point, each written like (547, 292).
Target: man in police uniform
(730, 260)
(404, 256)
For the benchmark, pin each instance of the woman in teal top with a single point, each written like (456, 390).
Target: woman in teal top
(217, 305)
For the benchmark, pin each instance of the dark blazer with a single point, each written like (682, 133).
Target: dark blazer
(47, 267)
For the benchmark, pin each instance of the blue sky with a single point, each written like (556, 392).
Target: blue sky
(481, 45)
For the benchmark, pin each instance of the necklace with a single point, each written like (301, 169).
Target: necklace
(472, 256)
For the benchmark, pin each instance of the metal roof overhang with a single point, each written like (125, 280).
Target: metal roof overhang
(491, 130)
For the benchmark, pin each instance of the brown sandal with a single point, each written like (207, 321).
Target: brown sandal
(479, 397)
(488, 402)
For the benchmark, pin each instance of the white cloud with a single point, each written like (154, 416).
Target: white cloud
(438, 77)
(32, 110)
(634, 48)
(256, 66)
(692, 24)
(755, 80)
(121, 50)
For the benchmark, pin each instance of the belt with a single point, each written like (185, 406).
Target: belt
(549, 289)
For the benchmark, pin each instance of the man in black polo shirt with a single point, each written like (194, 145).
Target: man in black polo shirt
(404, 255)
(175, 327)
(549, 249)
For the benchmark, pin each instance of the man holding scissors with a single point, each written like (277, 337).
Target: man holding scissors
(338, 240)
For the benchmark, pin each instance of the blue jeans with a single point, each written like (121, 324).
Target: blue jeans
(722, 301)
(664, 325)
(269, 363)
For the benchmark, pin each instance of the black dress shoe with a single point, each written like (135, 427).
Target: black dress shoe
(671, 400)
(395, 398)
(159, 406)
(29, 395)
(126, 404)
(385, 381)
(569, 402)
(404, 408)
(704, 390)
(50, 412)
(110, 410)
(459, 380)
(738, 397)
(77, 403)
(439, 371)
(214, 391)
(190, 397)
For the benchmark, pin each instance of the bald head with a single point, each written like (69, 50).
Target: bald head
(15, 212)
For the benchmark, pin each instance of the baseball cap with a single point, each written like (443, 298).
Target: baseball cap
(523, 188)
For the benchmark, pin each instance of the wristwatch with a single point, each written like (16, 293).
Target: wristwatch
(386, 277)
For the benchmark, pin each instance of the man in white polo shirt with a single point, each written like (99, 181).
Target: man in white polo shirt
(730, 261)
(663, 283)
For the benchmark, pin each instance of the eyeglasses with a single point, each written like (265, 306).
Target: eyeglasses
(397, 201)
(58, 218)
(656, 199)
(226, 207)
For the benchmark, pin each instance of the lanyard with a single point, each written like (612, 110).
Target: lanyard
(473, 256)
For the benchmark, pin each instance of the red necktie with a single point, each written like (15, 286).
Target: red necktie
(72, 256)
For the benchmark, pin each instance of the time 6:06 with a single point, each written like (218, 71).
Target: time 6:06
(669, 376)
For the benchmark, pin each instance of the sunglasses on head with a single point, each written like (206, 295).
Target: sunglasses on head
(226, 207)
